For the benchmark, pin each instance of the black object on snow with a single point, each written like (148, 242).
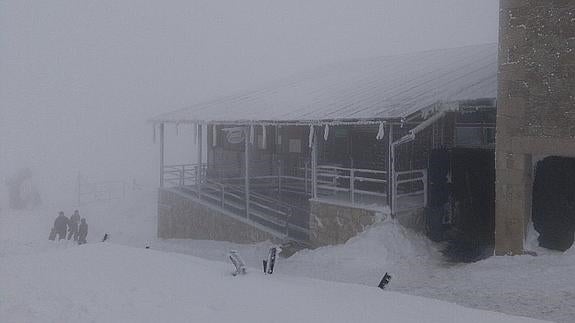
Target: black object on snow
(106, 237)
(52, 235)
(238, 263)
(269, 264)
(384, 281)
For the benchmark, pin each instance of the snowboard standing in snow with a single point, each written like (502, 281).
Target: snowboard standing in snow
(384, 281)
(238, 263)
(271, 261)
(52, 236)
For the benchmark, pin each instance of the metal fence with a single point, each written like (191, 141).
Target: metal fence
(352, 185)
(410, 190)
(104, 191)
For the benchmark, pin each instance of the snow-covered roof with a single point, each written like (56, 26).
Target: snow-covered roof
(373, 89)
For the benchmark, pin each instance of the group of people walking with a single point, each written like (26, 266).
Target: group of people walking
(72, 227)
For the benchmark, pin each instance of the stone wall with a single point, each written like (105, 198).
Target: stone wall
(332, 224)
(184, 218)
(536, 105)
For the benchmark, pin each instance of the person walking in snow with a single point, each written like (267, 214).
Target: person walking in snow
(82, 231)
(61, 226)
(73, 226)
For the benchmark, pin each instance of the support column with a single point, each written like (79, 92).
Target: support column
(199, 168)
(512, 202)
(200, 144)
(162, 145)
(390, 168)
(247, 170)
(314, 166)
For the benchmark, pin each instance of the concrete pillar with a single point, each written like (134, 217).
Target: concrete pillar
(535, 106)
(513, 201)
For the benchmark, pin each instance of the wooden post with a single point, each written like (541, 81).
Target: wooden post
(390, 168)
(162, 147)
(352, 184)
(305, 177)
(425, 188)
(279, 176)
(199, 169)
(247, 170)
(223, 201)
(200, 145)
(182, 175)
(314, 166)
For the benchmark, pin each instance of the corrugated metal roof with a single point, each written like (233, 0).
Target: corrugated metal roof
(370, 89)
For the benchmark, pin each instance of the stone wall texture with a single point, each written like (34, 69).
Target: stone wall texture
(536, 105)
(183, 218)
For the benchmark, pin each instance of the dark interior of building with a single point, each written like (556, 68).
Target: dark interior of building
(461, 209)
(554, 202)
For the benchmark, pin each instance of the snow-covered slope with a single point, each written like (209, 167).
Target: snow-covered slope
(538, 287)
(111, 283)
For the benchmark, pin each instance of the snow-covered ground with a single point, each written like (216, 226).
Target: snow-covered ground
(120, 281)
(105, 282)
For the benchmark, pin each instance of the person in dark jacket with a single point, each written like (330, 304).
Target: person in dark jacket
(73, 226)
(82, 231)
(61, 225)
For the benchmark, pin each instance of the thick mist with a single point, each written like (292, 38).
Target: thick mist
(79, 79)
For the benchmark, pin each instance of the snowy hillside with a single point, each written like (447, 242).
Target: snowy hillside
(111, 283)
(96, 282)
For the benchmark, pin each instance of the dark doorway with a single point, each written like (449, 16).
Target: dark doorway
(462, 202)
(554, 202)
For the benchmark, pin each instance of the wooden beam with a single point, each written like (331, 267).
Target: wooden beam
(162, 147)
(247, 169)
(314, 166)
(390, 168)
(199, 175)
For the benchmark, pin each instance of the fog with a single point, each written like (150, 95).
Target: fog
(80, 79)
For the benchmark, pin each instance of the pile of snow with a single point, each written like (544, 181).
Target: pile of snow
(104, 282)
(386, 246)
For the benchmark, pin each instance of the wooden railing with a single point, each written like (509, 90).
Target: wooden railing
(264, 210)
(352, 185)
(184, 175)
(355, 186)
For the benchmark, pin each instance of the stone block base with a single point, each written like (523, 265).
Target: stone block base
(184, 218)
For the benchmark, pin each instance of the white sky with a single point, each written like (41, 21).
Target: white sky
(79, 79)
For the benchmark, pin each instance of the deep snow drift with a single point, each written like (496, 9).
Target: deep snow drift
(104, 282)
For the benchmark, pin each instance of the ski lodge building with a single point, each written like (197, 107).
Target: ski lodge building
(318, 157)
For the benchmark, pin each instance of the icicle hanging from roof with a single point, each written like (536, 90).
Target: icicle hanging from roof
(177, 128)
(214, 135)
(326, 132)
(252, 134)
(310, 138)
(380, 131)
(195, 133)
